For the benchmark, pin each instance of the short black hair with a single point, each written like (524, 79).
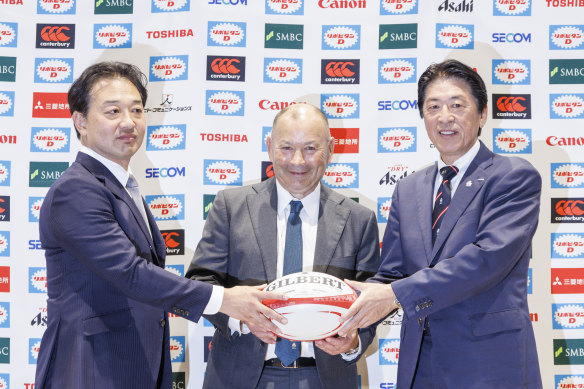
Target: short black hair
(79, 93)
(452, 68)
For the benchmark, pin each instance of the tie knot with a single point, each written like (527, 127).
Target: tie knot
(132, 183)
(295, 206)
(448, 172)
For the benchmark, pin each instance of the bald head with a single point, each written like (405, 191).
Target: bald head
(300, 147)
(299, 113)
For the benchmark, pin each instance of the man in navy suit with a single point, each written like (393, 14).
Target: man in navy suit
(108, 292)
(456, 251)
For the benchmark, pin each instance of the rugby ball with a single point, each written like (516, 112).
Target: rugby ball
(315, 303)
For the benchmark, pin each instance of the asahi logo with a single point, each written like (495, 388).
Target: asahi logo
(169, 68)
(397, 70)
(456, 6)
(226, 34)
(512, 8)
(112, 36)
(454, 36)
(398, 7)
(566, 106)
(566, 37)
(167, 207)
(511, 72)
(170, 137)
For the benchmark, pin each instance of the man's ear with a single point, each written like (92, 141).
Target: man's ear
(80, 122)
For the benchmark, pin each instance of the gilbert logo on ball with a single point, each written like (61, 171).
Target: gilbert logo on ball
(315, 303)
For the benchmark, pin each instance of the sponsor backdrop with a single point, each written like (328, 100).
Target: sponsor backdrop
(218, 72)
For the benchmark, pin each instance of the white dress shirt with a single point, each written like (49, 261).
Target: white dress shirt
(122, 175)
(462, 165)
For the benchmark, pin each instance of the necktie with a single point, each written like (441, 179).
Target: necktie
(134, 190)
(442, 200)
(286, 350)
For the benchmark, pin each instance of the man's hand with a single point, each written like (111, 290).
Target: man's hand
(375, 302)
(261, 334)
(245, 303)
(336, 345)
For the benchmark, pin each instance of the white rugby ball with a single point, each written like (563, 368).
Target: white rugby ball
(315, 303)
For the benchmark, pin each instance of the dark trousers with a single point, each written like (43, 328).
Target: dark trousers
(283, 378)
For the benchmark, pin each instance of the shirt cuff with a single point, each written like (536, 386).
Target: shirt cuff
(215, 301)
(354, 355)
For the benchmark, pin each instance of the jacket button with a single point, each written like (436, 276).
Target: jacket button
(420, 321)
(162, 323)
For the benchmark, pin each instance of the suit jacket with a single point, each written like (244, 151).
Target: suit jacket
(471, 287)
(238, 247)
(107, 290)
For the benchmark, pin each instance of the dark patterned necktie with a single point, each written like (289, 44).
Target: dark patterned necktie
(286, 350)
(442, 200)
(134, 190)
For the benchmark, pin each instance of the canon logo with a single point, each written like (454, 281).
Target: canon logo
(570, 208)
(276, 105)
(339, 69)
(342, 3)
(55, 33)
(225, 65)
(555, 141)
(510, 104)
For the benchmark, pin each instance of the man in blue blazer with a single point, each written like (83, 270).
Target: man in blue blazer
(243, 243)
(108, 292)
(458, 269)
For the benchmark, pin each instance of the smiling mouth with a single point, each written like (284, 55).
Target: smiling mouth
(447, 132)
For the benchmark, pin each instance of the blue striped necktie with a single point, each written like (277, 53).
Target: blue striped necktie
(442, 200)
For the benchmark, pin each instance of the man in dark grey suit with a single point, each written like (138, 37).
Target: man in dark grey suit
(243, 244)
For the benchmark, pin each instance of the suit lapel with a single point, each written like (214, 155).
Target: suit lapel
(332, 218)
(425, 189)
(104, 175)
(468, 187)
(263, 211)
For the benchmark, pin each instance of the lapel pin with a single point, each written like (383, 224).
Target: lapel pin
(469, 183)
(480, 179)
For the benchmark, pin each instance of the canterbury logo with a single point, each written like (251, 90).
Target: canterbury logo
(54, 34)
(339, 69)
(510, 104)
(570, 208)
(225, 65)
(170, 243)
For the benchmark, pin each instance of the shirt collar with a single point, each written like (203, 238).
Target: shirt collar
(463, 162)
(119, 172)
(310, 203)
